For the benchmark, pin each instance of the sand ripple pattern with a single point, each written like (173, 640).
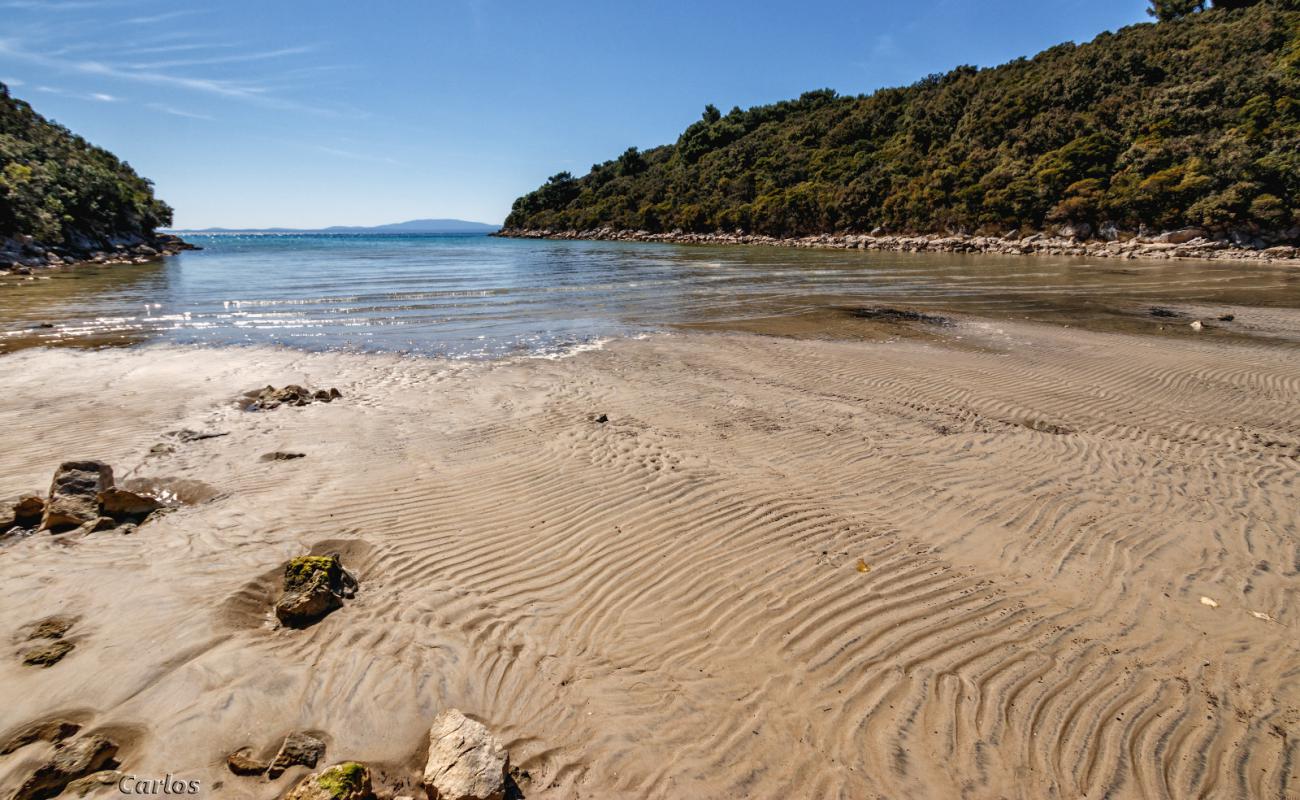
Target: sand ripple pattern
(781, 570)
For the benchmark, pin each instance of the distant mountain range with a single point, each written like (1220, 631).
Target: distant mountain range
(411, 226)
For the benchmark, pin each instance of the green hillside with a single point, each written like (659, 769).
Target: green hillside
(1193, 120)
(63, 191)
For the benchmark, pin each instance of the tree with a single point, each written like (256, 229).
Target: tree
(1166, 10)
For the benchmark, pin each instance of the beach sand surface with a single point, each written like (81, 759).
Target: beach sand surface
(968, 564)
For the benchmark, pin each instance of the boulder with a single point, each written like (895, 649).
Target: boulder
(298, 750)
(74, 494)
(313, 587)
(124, 504)
(71, 760)
(346, 781)
(1182, 236)
(1076, 230)
(466, 762)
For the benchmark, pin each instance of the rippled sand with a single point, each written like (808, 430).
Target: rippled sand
(920, 567)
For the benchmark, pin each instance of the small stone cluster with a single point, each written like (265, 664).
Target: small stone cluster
(78, 765)
(1069, 240)
(82, 498)
(291, 395)
(465, 762)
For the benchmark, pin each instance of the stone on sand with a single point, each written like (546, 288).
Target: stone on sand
(71, 760)
(125, 504)
(313, 587)
(299, 750)
(346, 781)
(466, 762)
(243, 762)
(74, 494)
(48, 654)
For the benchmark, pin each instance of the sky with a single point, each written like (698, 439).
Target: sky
(333, 112)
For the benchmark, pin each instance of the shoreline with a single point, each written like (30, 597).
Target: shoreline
(23, 255)
(1184, 244)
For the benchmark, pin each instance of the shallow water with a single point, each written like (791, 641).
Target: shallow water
(475, 296)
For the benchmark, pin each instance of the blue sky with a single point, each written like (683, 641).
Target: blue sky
(307, 114)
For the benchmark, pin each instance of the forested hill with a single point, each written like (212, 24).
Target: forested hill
(1192, 121)
(64, 192)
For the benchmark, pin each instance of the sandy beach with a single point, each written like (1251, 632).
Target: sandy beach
(967, 564)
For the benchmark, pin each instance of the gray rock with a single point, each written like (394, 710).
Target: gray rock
(466, 762)
(74, 494)
(242, 762)
(299, 750)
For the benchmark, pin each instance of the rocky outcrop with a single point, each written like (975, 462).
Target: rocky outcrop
(242, 762)
(21, 255)
(1069, 240)
(71, 760)
(313, 587)
(466, 762)
(347, 781)
(74, 494)
(291, 395)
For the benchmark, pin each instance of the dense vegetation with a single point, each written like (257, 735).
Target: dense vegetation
(58, 188)
(1193, 120)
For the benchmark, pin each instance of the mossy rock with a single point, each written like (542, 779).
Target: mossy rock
(305, 572)
(347, 781)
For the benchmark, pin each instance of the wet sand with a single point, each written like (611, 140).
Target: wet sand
(961, 561)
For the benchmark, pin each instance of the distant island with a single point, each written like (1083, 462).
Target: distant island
(410, 226)
(1190, 124)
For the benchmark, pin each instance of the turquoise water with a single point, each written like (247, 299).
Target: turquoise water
(475, 296)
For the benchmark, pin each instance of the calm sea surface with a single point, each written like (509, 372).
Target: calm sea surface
(477, 297)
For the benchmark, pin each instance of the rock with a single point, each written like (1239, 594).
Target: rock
(293, 395)
(74, 494)
(242, 762)
(1181, 236)
(1076, 230)
(28, 509)
(186, 435)
(466, 762)
(71, 760)
(1157, 311)
(282, 455)
(47, 655)
(313, 587)
(127, 505)
(1108, 231)
(95, 782)
(602, 418)
(49, 628)
(346, 781)
(298, 750)
(52, 731)
(98, 524)
(1196, 325)
(1227, 318)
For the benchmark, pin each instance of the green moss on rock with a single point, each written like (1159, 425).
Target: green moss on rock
(346, 781)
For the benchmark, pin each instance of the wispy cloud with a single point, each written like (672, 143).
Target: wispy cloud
(163, 17)
(13, 82)
(234, 90)
(102, 97)
(351, 156)
(238, 58)
(178, 112)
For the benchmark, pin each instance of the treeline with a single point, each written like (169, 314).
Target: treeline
(1194, 120)
(60, 189)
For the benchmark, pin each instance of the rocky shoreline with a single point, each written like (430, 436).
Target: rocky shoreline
(1186, 243)
(22, 255)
